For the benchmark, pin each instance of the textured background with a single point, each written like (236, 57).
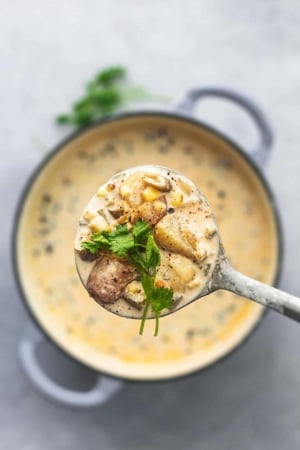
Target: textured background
(48, 50)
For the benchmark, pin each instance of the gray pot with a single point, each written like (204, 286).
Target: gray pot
(108, 386)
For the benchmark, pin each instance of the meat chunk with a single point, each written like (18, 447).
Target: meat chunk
(86, 255)
(109, 278)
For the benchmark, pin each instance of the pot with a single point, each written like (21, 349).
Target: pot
(42, 300)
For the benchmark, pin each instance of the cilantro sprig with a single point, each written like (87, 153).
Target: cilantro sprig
(106, 93)
(137, 245)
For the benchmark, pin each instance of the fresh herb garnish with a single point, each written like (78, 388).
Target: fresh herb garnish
(108, 92)
(137, 245)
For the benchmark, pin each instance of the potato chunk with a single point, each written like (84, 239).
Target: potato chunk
(169, 236)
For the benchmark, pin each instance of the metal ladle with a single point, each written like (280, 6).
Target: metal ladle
(223, 276)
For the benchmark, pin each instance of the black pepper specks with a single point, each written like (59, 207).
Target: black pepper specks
(221, 193)
(49, 248)
(66, 181)
(161, 132)
(163, 149)
(46, 198)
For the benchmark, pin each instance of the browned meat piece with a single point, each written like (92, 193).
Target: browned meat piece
(109, 278)
(85, 255)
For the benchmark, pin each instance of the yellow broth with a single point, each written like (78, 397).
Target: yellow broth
(197, 335)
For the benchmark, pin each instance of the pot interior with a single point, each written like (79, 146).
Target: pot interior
(194, 337)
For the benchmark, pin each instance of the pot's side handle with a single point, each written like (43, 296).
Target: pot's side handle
(104, 389)
(260, 154)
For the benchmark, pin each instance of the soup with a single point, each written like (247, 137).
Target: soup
(148, 233)
(195, 336)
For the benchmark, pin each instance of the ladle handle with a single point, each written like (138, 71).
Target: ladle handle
(261, 152)
(232, 280)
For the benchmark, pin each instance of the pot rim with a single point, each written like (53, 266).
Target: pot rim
(102, 122)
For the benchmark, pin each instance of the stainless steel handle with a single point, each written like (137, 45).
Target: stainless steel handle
(234, 281)
(259, 154)
(104, 389)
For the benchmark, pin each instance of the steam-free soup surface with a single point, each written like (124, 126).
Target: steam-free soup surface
(181, 227)
(194, 336)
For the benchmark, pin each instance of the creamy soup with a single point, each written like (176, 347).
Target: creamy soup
(195, 336)
(147, 229)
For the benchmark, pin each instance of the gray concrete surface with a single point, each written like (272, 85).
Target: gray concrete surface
(48, 50)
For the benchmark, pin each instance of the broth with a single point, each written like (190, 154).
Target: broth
(193, 337)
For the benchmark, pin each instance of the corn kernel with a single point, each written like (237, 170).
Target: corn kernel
(89, 215)
(176, 198)
(209, 232)
(101, 191)
(150, 193)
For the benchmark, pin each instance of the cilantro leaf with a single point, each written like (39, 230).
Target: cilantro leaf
(152, 253)
(111, 74)
(106, 93)
(141, 231)
(90, 246)
(161, 298)
(101, 240)
(121, 240)
(138, 260)
(138, 246)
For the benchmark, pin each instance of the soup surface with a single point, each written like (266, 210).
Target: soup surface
(193, 337)
(171, 241)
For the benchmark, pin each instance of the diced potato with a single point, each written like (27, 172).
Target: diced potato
(149, 213)
(168, 235)
(150, 193)
(160, 206)
(195, 282)
(189, 236)
(98, 224)
(125, 190)
(183, 267)
(131, 190)
(134, 294)
(201, 254)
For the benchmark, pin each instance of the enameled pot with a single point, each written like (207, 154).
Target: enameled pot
(108, 384)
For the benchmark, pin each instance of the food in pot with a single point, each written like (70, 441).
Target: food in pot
(195, 336)
(155, 241)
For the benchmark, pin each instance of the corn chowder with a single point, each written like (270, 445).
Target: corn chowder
(195, 336)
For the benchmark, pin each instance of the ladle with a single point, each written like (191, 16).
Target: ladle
(222, 276)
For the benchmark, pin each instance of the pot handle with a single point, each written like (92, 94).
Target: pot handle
(261, 153)
(104, 389)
